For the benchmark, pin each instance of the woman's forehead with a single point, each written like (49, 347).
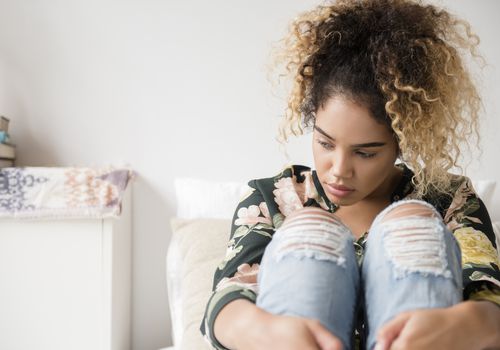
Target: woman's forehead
(344, 118)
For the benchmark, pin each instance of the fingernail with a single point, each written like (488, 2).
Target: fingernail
(379, 346)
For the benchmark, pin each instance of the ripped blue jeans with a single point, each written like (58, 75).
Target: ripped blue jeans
(309, 269)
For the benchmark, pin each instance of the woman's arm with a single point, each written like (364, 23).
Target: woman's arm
(468, 218)
(469, 325)
(487, 316)
(236, 318)
(236, 276)
(242, 325)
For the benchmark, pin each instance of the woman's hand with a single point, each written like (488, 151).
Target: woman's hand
(289, 333)
(457, 327)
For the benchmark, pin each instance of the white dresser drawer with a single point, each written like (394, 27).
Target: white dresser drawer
(66, 284)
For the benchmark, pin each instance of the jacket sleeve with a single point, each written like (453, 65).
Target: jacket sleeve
(470, 223)
(236, 275)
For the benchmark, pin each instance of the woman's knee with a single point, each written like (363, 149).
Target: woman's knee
(314, 233)
(410, 208)
(414, 238)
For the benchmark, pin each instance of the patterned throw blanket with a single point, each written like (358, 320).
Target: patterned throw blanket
(36, 192)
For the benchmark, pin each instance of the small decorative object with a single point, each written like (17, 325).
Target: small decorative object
(7, 149)
(3, 136)
(4, 124)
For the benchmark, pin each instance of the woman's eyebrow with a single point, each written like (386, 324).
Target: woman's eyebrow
(368, 144)
(323, 133)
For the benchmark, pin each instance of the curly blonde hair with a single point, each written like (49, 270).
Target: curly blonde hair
(403, 60)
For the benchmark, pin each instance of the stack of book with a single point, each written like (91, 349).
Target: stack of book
(7, 149)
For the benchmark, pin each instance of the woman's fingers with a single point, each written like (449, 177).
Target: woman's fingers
(325, 339)
(391, 330)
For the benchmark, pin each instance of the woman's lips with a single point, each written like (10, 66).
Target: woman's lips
(338, 190)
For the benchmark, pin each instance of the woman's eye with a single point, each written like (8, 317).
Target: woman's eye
(366, 155)
(325, 145)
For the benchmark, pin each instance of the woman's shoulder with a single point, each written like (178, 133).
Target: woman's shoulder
(289, 171)
(293, 174)
(459, 185)
(459, 190)
(293, 187)
(460, 196)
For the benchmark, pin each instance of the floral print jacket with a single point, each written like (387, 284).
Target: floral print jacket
(270, 200)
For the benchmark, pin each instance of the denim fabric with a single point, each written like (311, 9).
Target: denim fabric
(402, 270)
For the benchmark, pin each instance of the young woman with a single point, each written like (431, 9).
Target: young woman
(379, 246)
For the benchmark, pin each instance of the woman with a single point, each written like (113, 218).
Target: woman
(379, 246)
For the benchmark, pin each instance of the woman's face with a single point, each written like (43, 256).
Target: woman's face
(354, 155)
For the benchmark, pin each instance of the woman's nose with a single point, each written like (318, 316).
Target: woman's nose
(341, 166)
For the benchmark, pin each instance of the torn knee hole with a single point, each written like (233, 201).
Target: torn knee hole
(410, 210)
(416, 245)
(318, 239)
(310, 213)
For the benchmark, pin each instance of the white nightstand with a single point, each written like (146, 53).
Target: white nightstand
(66, 284)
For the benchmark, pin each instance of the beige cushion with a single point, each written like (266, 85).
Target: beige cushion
(196, 248)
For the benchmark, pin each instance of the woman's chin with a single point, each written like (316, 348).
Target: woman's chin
(344, 202)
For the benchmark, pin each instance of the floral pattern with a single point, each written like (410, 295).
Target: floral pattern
(287, 196)
(476, 247)
(251, 215)
(246, 277)
(271, 200)
(458, 213)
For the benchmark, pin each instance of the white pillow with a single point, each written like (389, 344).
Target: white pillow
(198, 198)
(219, 199)
(485, 190)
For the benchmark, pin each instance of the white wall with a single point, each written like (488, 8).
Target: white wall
(174, 88)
